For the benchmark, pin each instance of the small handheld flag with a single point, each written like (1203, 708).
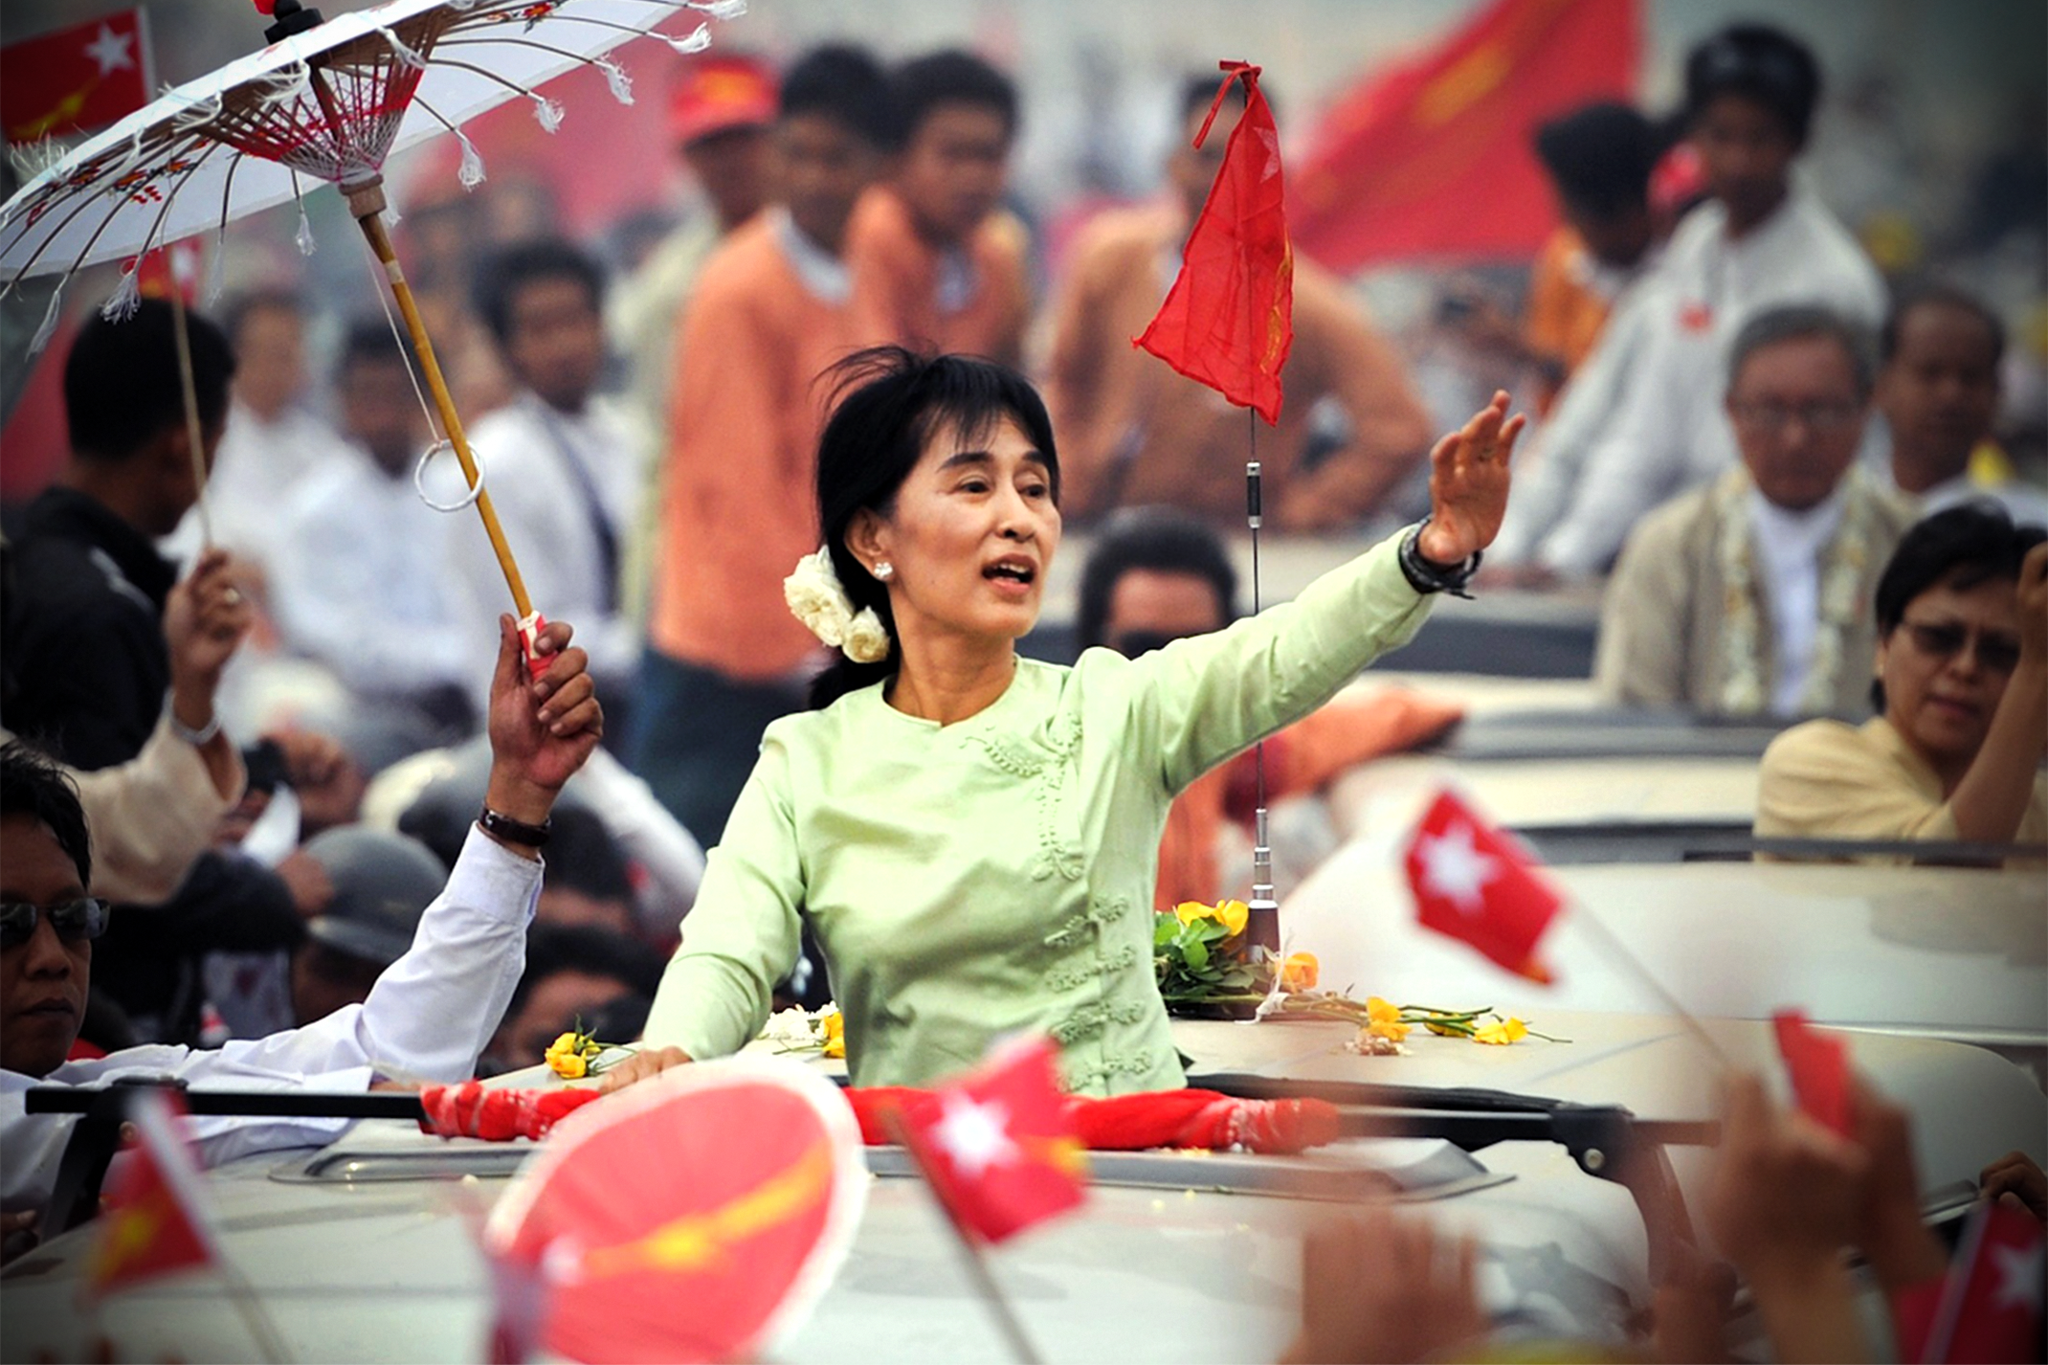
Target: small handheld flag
(1474, 883)
(1818, 1064)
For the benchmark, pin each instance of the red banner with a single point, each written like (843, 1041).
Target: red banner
(1433, 157)
(1475, 883)
(75, 80)
(153, 1221)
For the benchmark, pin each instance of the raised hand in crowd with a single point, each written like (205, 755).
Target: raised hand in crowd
(542, 729)
(1901, 1250)
(1786, 1197)
(2017, 1181)
(321, 774)
(1380, 1286)
(206, 618)
(1468, 484)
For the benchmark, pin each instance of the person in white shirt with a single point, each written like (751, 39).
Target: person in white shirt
(361, 583)
(558, 460)
(1751, 596)
(428, 1017)
(1937, 387)
(1762, 242)
(273, 442)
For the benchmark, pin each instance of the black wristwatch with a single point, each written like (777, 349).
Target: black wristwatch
(1426, 575)
(513, 831)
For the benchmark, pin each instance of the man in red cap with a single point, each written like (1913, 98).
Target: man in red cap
(720, 113)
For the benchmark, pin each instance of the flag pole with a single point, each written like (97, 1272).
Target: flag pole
(1615, 949)
(254, 1316)
(973, 1257)
(194, 437)
(1262, 922)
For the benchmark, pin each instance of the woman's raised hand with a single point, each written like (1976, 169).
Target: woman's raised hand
(1468, 484)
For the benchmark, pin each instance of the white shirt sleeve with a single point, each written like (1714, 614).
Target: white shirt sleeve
(1547, 473)
(428, 1017)
(1646, 453)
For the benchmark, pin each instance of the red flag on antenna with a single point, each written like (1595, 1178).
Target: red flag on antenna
(1228, 321)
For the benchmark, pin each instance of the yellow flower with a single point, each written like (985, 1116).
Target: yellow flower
(833, 1026)
(1501, 1032)
(1383, 1020)
(566, 1045)
(570, 1066)
(1298, 972)
(1235, 915)
(1187, 912)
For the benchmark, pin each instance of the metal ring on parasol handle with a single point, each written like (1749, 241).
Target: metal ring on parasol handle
(419, 474)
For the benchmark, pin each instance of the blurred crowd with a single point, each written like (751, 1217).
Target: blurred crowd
(283, 680)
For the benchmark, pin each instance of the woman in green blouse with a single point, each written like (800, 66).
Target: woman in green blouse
(971, 835)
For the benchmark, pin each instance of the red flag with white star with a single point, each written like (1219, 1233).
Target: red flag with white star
(153, 1221)
(1477, 884)
(1991, 1306)
(74, 80)
(997, 1144)
(1228, 321)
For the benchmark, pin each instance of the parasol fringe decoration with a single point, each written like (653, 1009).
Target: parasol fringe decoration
(699, 39)
(471, 172)
(722, 9)
(48, 328)
(546, 113)
(127, 297)
(31, 159)
(401, 51)
(615, 77)
(303, 238)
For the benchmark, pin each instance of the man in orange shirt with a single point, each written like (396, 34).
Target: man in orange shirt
(771, 312)
(1155, 575)
(937, 263)
(1132, 431)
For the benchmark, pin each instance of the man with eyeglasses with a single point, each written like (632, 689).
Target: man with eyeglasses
(428, 1016)
(1751, 596)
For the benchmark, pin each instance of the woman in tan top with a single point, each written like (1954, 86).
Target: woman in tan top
(1962, 697)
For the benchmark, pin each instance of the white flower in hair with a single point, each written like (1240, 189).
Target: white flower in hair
(815, 596)
(867, 639)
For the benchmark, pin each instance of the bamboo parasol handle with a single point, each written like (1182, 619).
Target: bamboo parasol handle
(367, 203)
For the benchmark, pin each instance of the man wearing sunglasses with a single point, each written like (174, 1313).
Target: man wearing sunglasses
(1751, 596)
(428, 1016)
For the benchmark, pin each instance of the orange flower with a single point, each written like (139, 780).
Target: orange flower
(1299, 972)
(1384, 1020)
(1502, 1032)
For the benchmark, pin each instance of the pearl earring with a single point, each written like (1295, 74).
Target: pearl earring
(884, 570)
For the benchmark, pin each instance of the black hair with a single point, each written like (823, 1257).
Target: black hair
(951, 77)
(369, 341)
(1601, 156)
(888, 403)
(36, 785)
(847, 85)
(1794, 321)
(1761, 63)
(1937, 294)
(1961, 547)
(264, 298)
(1162, 539)
(583, 856)
(588, 948)
(504, 274)
(121, 386)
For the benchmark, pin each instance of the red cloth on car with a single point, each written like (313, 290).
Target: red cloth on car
(471, 1110)
(1166, 1118)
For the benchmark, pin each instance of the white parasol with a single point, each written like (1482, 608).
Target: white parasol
(326, 101)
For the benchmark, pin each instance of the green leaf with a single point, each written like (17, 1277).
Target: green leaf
(1197, 953)
(1164, 927)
